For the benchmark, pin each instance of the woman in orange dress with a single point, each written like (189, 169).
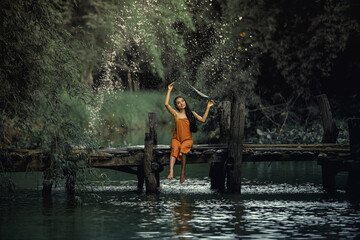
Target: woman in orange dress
(185, 124)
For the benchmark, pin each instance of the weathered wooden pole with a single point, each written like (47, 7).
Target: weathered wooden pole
(153, 126)
(331, 132)
(224, 110)
(156, 168)
(151, 178)
(353, 184)
(140, 177)
(235, 145)
(217, 170)
(329, 170)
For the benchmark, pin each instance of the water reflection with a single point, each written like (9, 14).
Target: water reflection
(268, 208)
(182, 214)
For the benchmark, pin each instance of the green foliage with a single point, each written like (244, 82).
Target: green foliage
(45, 53)
(146, 37)
(226, 70)
(51, 50)
(268, 49)
(41, 61)
(297, 134)
(303, 38)
(290, 134)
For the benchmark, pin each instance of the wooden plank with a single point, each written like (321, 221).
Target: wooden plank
(36, 160)
(132, 160)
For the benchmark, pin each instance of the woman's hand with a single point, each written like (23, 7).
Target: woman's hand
(171, 85)
(210, 103)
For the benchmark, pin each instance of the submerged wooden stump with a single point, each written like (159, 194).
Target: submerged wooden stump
(217, 176)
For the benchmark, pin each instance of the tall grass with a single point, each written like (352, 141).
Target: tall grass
(124, 117)
(130, 110)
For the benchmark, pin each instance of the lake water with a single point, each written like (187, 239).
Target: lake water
(278, 201)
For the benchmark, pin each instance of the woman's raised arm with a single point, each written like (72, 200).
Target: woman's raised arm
(203, 118)
(168, 107)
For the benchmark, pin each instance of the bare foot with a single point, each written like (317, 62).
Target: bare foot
(171, 175)
(182, 178)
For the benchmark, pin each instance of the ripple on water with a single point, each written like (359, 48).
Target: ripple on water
(273, 211)
(202, 186)
(191, 210)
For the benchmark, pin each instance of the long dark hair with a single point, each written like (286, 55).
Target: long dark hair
(190, 116)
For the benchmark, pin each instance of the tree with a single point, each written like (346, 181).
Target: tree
(146, 40)
(277, 48)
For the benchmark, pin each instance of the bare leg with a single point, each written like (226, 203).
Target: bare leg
(183, 163)
(171, 170)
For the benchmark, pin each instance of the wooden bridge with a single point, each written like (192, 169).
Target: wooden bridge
(126, 159)
(131, 159)
(147, 161)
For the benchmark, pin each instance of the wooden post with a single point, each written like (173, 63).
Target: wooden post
(153, 126)
(328, 173)
(217, 176)
(331, 132)
(141, 178)
(224, 110)
(153, 134)
(236, 143)
(217, 170)
(151, 176)
(353, 184)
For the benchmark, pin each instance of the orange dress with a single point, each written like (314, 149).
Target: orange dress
(182, 140)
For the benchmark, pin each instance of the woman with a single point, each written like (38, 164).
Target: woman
(185, 123)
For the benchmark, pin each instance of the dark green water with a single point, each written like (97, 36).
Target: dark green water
(278, 201)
